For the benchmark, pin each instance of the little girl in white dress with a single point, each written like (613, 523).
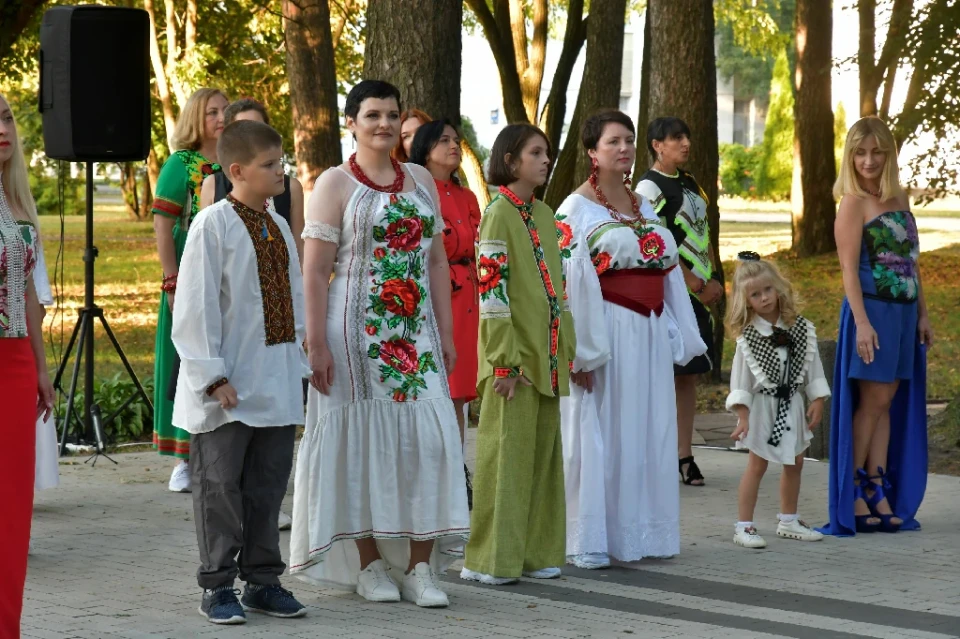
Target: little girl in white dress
(777, 362)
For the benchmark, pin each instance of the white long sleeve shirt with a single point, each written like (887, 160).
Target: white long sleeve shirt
(220, 327)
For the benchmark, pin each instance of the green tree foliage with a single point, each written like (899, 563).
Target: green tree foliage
(739, 167)
(776, 163)
(470, 135)
(750, 34)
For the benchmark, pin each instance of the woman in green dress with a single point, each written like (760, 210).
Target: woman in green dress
(177, 201)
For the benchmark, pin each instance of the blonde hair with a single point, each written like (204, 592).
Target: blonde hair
(188, 134)
(847, 183)
(16, 180)
(740, 313)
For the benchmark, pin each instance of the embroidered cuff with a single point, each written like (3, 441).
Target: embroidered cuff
(507, 373)
(212, 388)
(817, 388)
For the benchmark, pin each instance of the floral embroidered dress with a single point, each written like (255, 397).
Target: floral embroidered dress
(381, 454)
(177, 196)
(890, 281)
(633, 321)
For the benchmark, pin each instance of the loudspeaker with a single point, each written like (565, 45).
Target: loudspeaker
(95, 83)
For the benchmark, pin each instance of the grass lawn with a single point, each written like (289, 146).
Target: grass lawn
(128, 283)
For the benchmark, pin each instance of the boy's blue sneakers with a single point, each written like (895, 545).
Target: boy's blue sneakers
(220, 606)
(272, 600)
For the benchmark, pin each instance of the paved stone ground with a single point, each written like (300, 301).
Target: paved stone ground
(116, 556)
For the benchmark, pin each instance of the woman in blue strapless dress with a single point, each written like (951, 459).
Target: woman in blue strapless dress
(878, 425)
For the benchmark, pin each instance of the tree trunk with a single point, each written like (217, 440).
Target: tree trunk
(422, 66)
(600, 88)
(813, 128)
(173, 52)
(190, 25)
(473, 171)
(643, 118)
(555, 108)
(160, 74)
(128, 188)
(530, 67)
(875, 71)
(683, 84)
(313, 87)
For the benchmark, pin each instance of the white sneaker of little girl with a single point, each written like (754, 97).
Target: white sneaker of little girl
(746, 535)
(792, 527)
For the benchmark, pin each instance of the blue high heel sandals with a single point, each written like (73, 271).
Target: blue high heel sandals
(886, 525)
(862, 521)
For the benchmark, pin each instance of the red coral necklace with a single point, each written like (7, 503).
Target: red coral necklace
(634, 203)
(397, 185)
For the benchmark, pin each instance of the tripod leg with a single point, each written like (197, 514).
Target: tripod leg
(68, 414)
(126, 363)
(66, 353)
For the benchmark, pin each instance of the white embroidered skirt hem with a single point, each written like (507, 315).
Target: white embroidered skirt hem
(388, 470)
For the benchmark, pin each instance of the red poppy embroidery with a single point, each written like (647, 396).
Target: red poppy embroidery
(602, 262)
(405, 234)
(399, 354)
(651, 246)
(401, 297)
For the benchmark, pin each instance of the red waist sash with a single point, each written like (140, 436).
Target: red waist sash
(637, 289)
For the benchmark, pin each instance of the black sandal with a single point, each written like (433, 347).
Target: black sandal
(693, 472)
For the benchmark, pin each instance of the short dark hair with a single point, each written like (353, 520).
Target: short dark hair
(369, 89)
(663, 129)
(426, 139)
(244, 104)
(241, 141)
(511, 141)
(593, 128)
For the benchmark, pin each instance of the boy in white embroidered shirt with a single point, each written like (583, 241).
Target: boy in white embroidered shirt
(238, 326)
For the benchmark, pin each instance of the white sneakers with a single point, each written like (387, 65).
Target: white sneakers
(180, 478)
(799, 530)
(285, 522)
(543, 573)
(490, 580)
(748, 538)
(375, 584)
(420, 587)
(590, 561)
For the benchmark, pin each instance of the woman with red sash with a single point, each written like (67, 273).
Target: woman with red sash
(633, 321)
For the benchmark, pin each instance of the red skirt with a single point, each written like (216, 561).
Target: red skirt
(18, 397)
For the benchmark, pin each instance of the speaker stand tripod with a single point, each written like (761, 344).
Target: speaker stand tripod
(89, 425)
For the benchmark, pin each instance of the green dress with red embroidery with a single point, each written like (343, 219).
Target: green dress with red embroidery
(177, 196)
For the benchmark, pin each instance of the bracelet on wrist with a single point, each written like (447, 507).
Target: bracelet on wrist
(211, 389)
(507, 373)
(169, 287)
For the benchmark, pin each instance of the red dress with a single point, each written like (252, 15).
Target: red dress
(461, 213)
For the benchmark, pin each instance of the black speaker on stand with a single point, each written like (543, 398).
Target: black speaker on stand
(95, 101)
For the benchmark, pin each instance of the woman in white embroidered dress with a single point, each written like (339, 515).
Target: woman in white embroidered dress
(379, 478)
(633, 321)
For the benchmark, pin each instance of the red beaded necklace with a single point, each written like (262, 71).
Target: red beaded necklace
(510, 195)
(634, 203)
(397, 185)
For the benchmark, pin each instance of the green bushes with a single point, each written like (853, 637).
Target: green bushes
(111, 393)
(739, 166)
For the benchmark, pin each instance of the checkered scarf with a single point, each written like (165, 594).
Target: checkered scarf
(763, 349)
